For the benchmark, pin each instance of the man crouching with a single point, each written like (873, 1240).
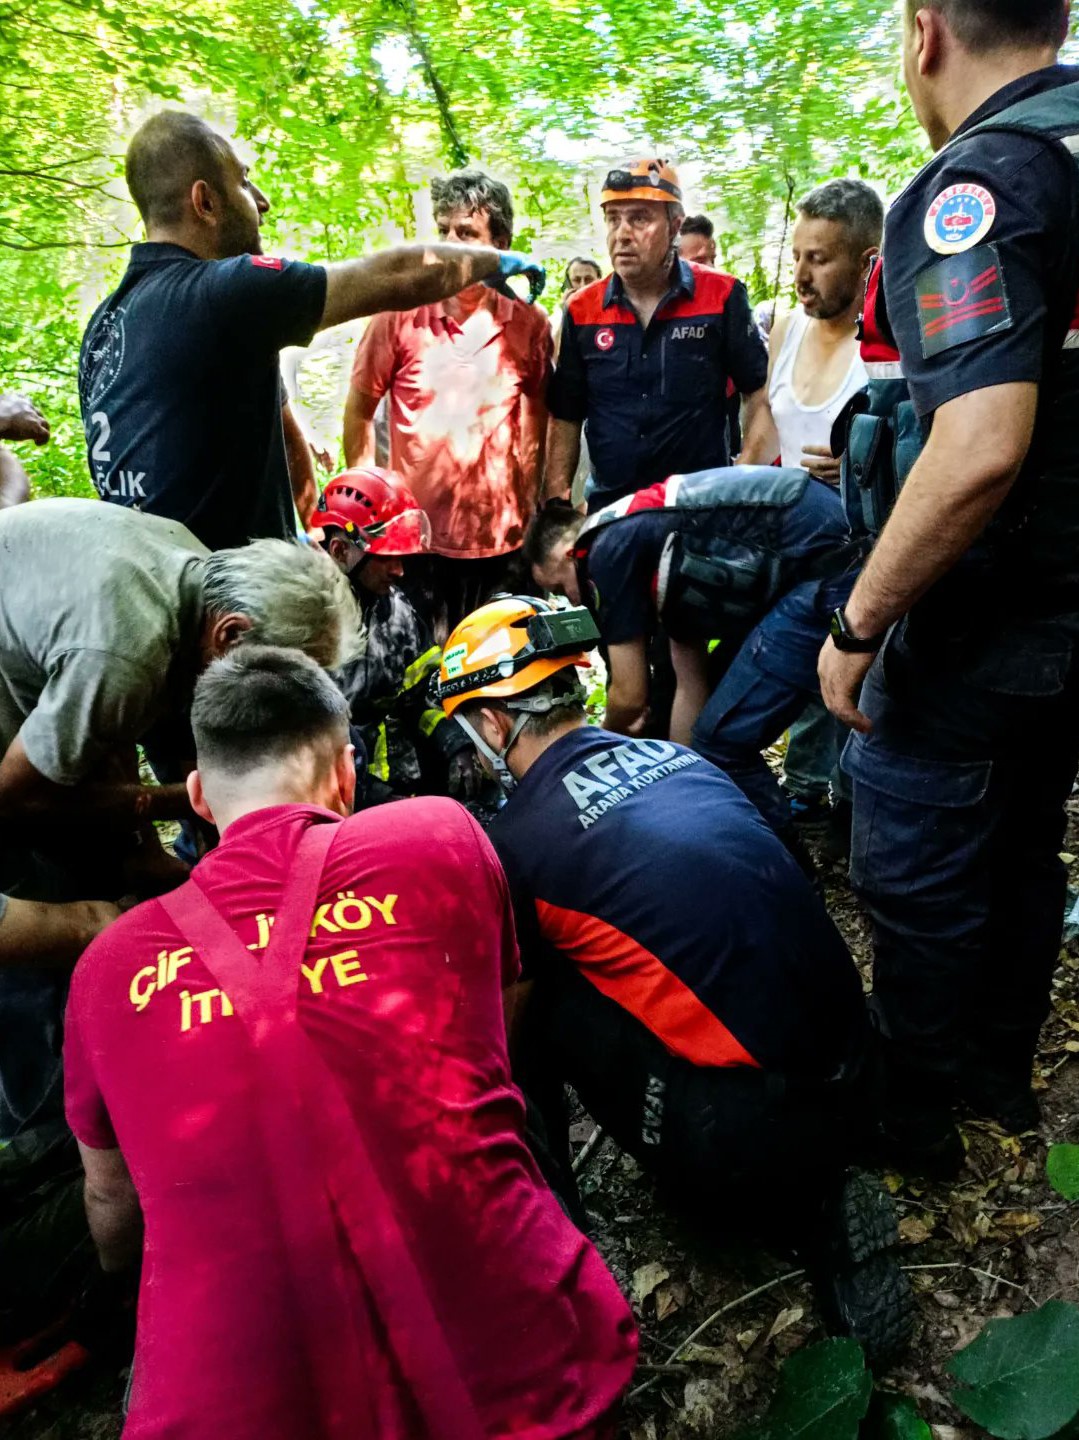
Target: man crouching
(687, 981)
(295, 1068)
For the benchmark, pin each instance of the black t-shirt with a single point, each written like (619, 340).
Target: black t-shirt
(181, 391)
(980, 271)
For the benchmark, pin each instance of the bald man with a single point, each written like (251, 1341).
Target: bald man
(179, 382)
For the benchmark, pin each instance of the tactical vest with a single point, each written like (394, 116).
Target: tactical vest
(879, 434)
(724, 561)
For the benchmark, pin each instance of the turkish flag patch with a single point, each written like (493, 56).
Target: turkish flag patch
(962, 298)
(268, 262)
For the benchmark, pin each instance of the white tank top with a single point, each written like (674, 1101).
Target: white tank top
(800, 425)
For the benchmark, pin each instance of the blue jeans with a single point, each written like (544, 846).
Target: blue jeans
(959, 794)
(766, 687)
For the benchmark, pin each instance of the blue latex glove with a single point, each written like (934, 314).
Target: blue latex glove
(512, 263)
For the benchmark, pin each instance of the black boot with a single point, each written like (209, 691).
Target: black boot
(854, 1265)
(1002, 1095)
(926, 1145)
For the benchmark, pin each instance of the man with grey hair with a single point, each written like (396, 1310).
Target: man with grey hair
(179, 382)
(91, 656)
(814, 370)
(465, 379)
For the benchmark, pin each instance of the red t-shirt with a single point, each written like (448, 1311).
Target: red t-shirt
(400, 989)
(467, 411)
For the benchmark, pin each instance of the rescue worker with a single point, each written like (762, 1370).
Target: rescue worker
(309, 1124)
(687, 981)
(645, 357)
(754, 557)
(961, 634)
(370, 523)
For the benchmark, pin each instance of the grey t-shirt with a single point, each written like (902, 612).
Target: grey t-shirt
(100, 615)
(96, 603)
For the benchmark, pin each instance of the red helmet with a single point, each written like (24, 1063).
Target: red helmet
(375, 509)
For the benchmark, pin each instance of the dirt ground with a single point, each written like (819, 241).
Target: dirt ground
(997, 1242)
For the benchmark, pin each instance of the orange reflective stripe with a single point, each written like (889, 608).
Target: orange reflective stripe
(634, 978)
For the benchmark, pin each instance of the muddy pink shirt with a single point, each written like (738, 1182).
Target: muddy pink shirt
(467, 411)
(400, 989)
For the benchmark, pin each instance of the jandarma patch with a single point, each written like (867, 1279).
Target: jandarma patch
(959, 218)
(961, 299)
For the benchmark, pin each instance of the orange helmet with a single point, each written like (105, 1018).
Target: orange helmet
(510, 646)
(376, 510)
(649, 179)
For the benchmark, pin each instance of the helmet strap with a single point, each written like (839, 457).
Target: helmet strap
(497, 758)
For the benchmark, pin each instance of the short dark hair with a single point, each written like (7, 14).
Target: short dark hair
(475, 192)
(983, 25)
(258, 704)
(852, 204)
(564, 683)
(165, 157)
(557, 520)
(581, 260)
(698, 225)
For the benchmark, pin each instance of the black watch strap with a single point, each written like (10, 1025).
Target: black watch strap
(843, 638)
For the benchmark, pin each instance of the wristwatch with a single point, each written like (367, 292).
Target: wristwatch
(844, 638)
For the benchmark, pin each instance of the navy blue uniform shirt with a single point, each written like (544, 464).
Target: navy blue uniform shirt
(181, 392)
(652, 872)
(980, 274)
(654, 401)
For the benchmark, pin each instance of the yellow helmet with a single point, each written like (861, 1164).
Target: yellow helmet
(648, 179)
(508, 647)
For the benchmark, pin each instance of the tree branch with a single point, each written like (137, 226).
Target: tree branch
(458, 150)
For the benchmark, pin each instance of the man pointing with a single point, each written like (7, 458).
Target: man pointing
(179, 383)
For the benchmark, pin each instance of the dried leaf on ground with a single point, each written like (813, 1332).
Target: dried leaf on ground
(784, 1320)
(916, 1231)
(647, 1279)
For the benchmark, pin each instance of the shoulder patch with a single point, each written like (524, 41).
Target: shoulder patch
(268, 262)
(960, 299)
(959, 218)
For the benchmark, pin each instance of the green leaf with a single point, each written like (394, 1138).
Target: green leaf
(823, 1394)
(1062, 1167)
(1020, 1378)
(893, 1417)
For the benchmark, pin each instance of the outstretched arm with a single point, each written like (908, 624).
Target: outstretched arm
(29, 797)
(411, 275)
